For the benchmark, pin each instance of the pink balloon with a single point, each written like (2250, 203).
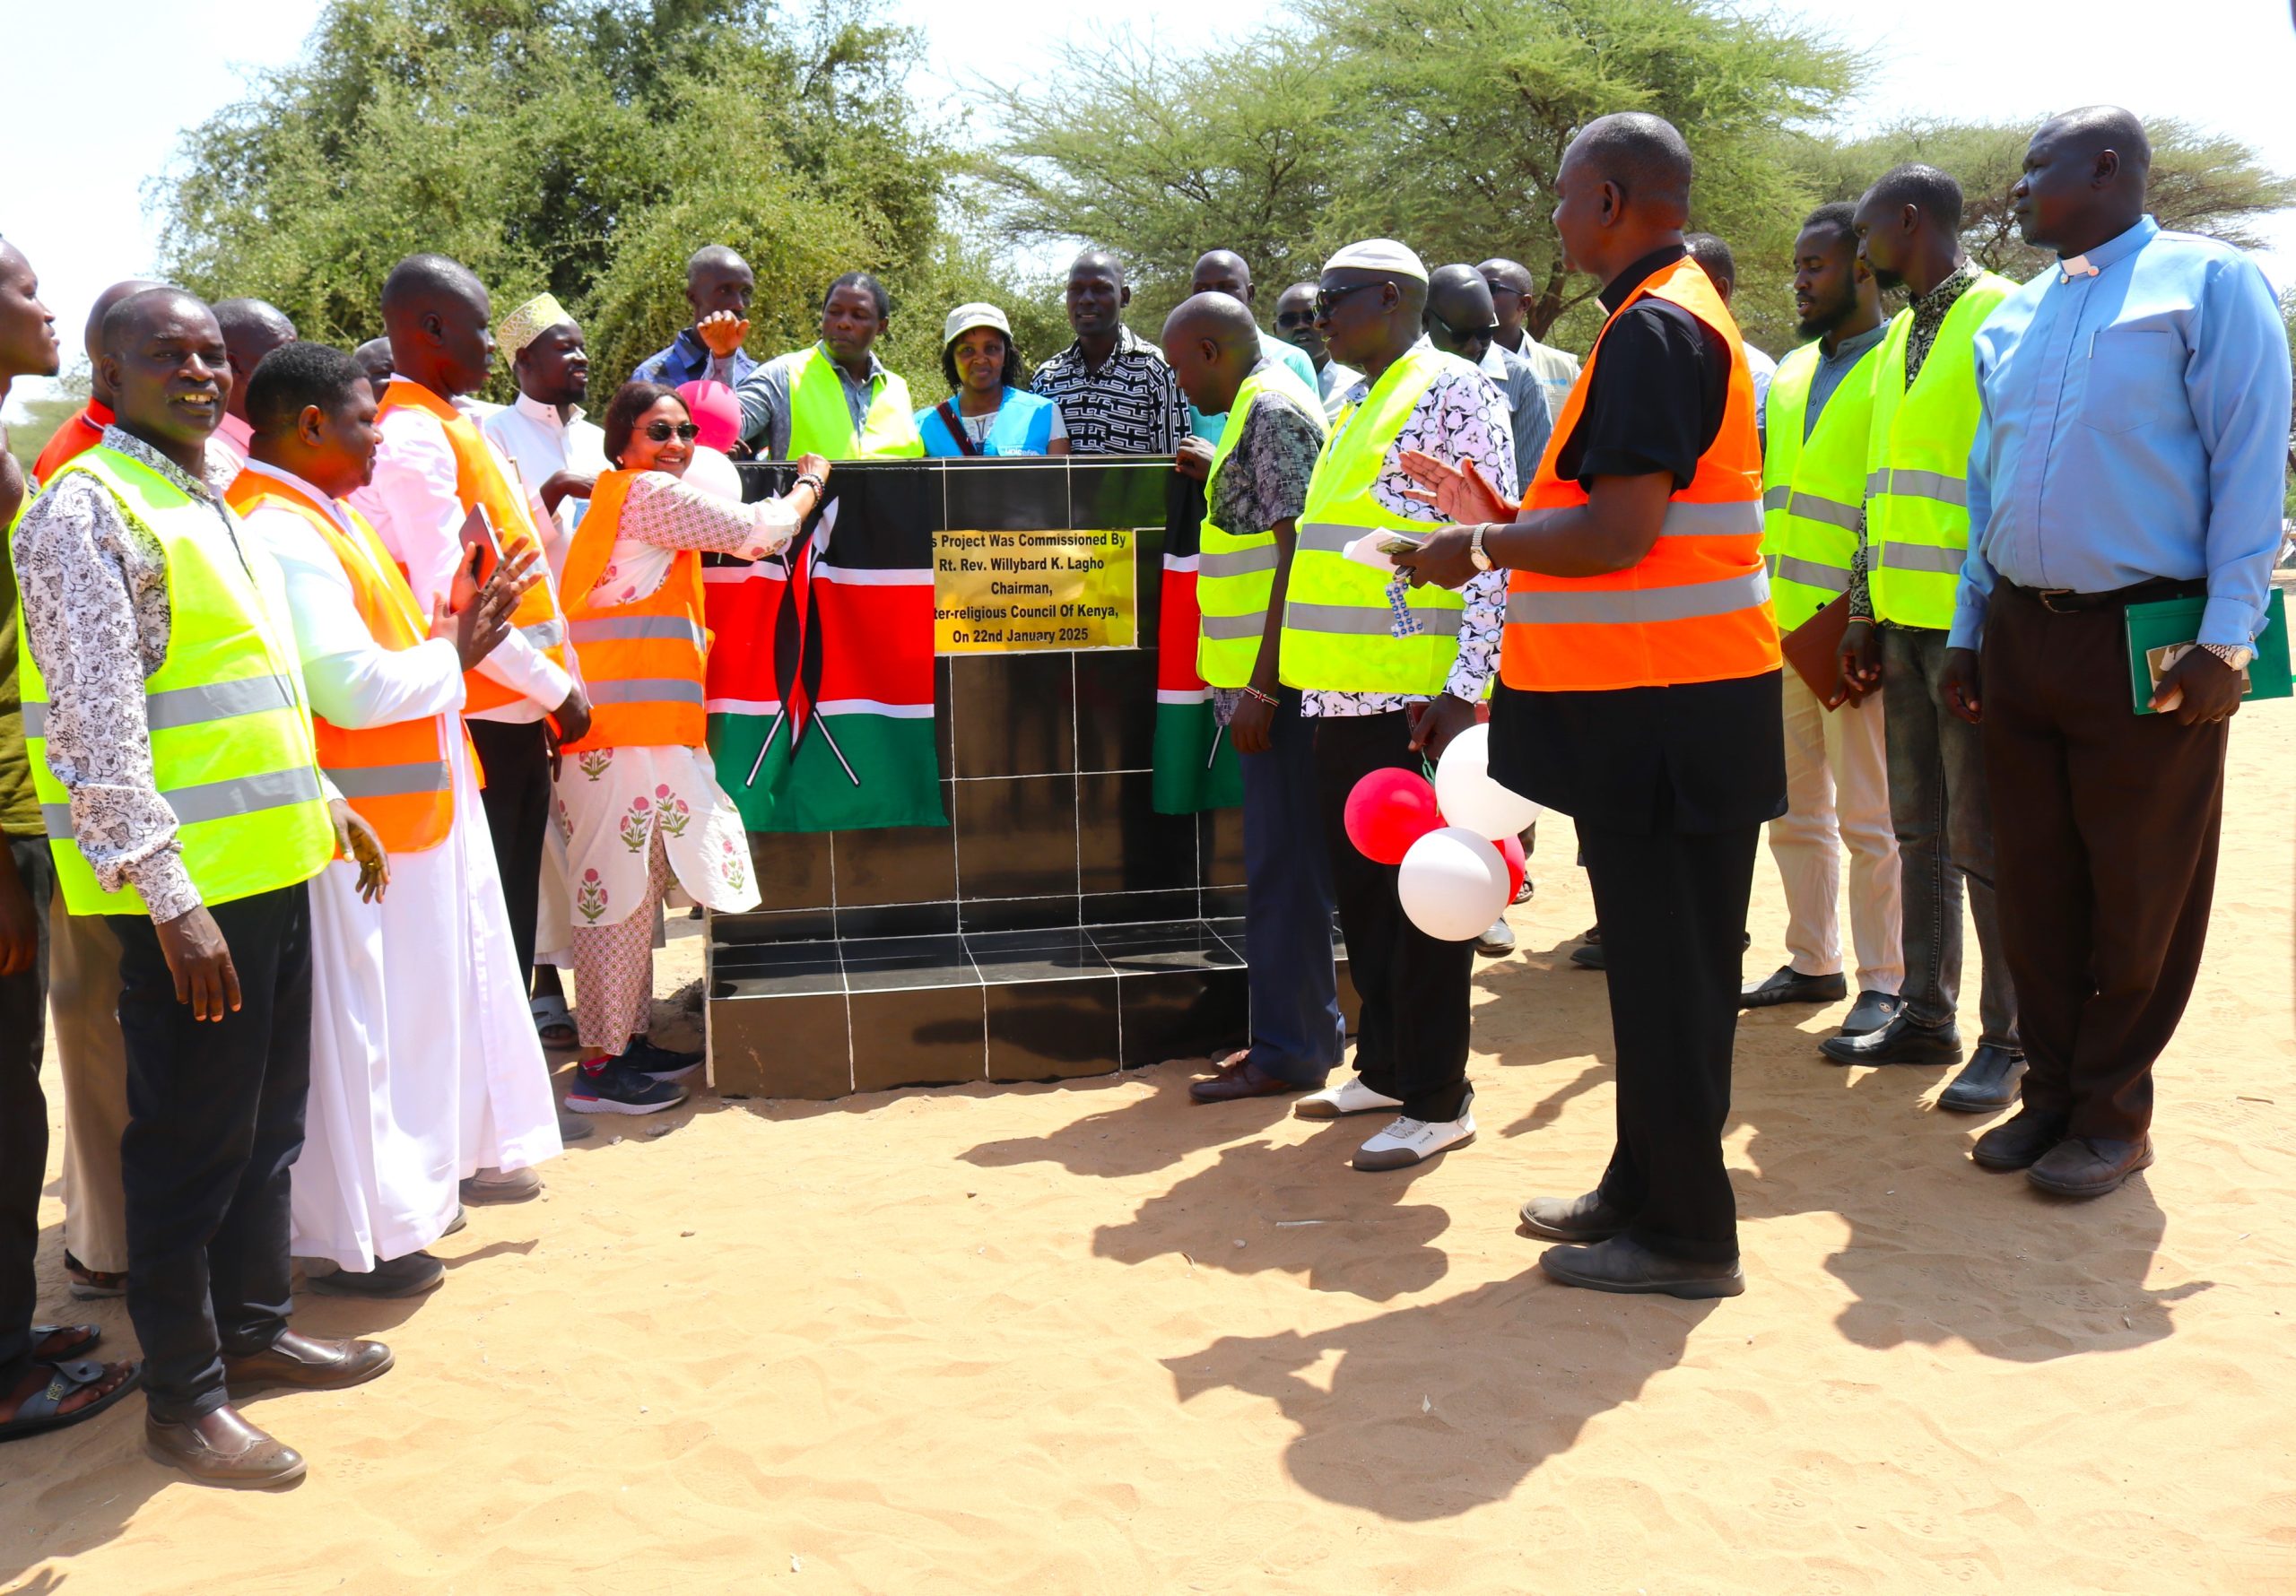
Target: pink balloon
(1388, 810)
(1510, 849)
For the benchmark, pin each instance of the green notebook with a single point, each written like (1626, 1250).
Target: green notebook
(2158, 632)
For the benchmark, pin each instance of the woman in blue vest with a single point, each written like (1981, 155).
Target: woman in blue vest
(990, 410)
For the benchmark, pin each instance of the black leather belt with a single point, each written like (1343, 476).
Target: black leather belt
(2064, 601)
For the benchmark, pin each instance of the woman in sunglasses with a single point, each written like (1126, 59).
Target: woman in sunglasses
(637, 797)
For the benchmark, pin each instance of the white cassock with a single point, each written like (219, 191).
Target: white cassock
(424, 1063)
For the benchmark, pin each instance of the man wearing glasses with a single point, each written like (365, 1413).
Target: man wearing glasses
(1461, 320)
(1295, 324)
(1510, 297)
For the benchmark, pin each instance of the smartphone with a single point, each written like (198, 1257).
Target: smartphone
(482, 549)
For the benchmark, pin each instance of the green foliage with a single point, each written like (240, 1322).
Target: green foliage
(582, 146)
(1439, 122)
(2201, 182)
(44, 415)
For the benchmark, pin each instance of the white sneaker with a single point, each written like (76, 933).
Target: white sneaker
(1406, 1141)
(1350, 1095)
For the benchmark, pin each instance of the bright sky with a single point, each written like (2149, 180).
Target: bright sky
(2223, 64)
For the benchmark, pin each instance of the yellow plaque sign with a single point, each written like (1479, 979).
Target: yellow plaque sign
(1006, 592)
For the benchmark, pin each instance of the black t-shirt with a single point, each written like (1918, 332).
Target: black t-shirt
(1707, 756)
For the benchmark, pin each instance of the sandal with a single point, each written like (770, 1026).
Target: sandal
(554, 1021)
(83, 1336)
(88, 1283)
(39, 1410)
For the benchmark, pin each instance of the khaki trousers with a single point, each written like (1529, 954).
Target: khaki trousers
(1838, 802)
(84, 1000)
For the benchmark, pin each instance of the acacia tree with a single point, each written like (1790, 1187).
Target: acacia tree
(582, 146)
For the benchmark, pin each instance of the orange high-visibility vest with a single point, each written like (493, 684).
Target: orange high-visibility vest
(479, 480)
(1696, 608)
(642, 661)
(396, 776)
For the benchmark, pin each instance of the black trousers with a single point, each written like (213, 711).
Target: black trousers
(1410, 1039)
(215, 1122)
(2106, 858)
(23, 1118)
(1673, 908)
(517, 798)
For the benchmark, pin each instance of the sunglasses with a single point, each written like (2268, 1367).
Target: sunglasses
(1327, 297)
(1296, 319)
(663, 431)
(1462, 334)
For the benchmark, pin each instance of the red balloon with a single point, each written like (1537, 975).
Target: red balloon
(1510, 849)
(1388, 810)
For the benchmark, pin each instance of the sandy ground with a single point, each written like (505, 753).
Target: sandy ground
(1085, 1338)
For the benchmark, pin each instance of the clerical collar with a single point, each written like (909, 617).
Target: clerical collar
(2111, 252)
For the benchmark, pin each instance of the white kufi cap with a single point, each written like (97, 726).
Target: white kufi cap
(1378, 254)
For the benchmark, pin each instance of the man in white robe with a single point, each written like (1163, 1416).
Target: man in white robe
(424, 1064)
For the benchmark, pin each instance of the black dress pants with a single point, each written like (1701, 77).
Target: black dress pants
(2106, 835)
(23, 1118)
(215, 1122)
(1673, 908)
(517, 798)
(1410, 1039)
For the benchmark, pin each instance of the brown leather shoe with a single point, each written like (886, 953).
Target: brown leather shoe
(308, 1363)
(2018, 1141)
(221, 1448)
(2089, 1165)
(1239, 1081)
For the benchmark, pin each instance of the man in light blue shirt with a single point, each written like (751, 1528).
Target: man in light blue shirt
(2131, 449)
(1224, 272)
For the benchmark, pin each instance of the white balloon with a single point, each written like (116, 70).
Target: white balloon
(1468, 796)
(1453, 884)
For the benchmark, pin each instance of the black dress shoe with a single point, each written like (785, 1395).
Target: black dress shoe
(1624, 1265)
(2018, 1140)
(1581, 1219)
(1900, 1042)
(1871, 1012)
(2089, 1165)
(1790, 986)
(1988, 1081)
(1498, 941)
(1588, 954)
(1239, 1081)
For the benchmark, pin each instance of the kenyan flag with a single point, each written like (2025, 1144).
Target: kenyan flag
(820, 674)
(1194, 767)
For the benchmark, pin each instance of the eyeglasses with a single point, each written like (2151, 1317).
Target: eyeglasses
(1296, 319)
(1326, 298)
(663, 431)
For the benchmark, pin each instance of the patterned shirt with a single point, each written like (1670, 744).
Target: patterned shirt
(1132, 405)
(1263, 480)
(97, 620)
(1928, 316)
(689, 360)
(1460, 417)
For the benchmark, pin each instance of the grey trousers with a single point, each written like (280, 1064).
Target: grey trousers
(1940, 808)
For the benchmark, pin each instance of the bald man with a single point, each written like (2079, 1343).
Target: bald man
(2130, 449)
(1461, 319)
(1117, 395)
(1273, 431)
(211, 908)
(374, 357)
(252, 329)
(718, 284)
(1511, 292)
(85, 429)
(1224, 272)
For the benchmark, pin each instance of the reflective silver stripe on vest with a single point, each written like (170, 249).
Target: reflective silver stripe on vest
(602, 628)
(1809, 506)
(213, 800)
(544, 634)
(1613, 607)
(174, 707)
(1327, 537)
(1774, 499)
(1810, 573)
(1919, 484)
(390, 781)
(1239, 562)
(647, 690)
(1229, 628)
(1922, 557)
(1349, 620)
(1741, 518)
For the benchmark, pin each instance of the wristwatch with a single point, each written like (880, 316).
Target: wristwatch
(1475, 548)
(2235, 655)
